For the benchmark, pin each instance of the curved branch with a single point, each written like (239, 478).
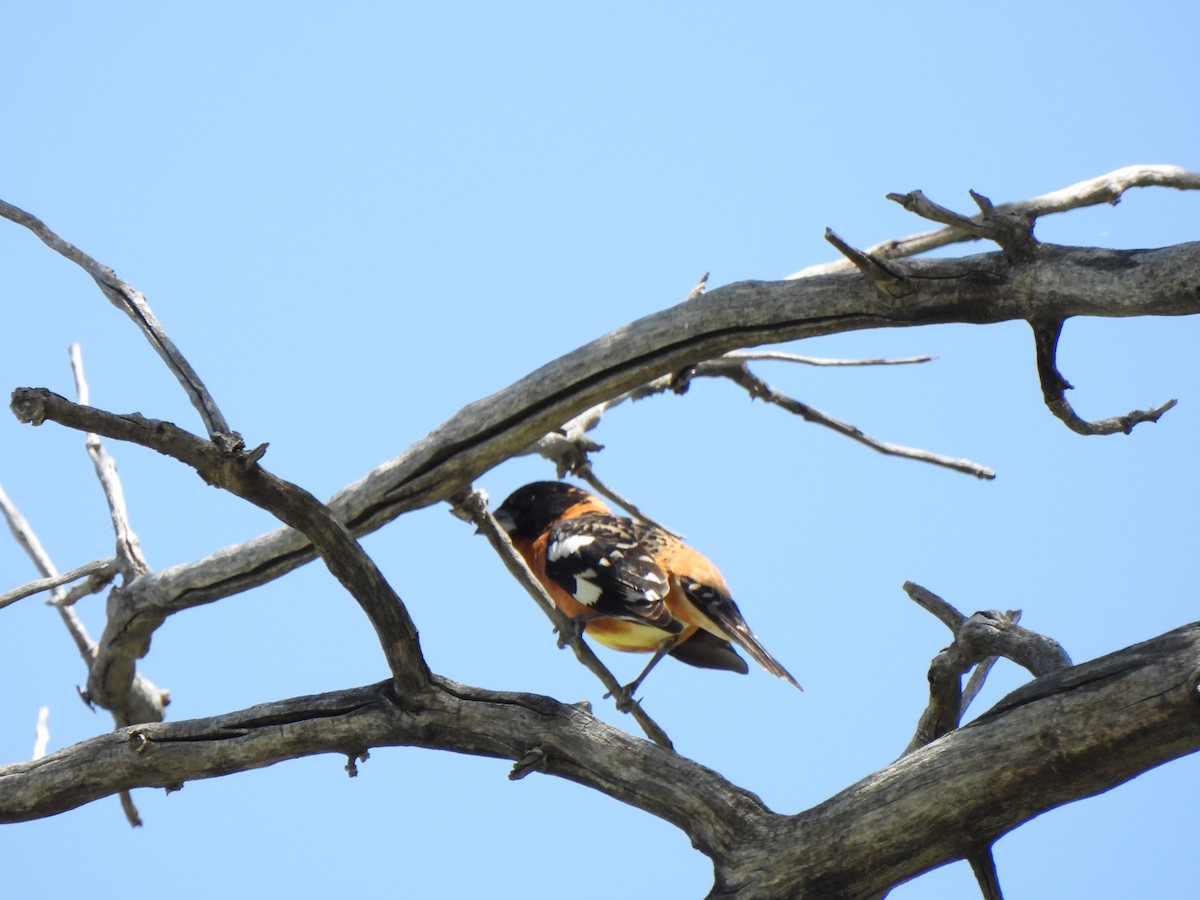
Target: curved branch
(1060, 738)
(133, 303)
(1054, 388)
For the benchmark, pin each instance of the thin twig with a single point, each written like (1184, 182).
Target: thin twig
(131, 813)
(93, 584)
(129, 548)
(588, 474)
(133, 304)
(568, 447)
(891, 284)
(28, 541)
(758, 388)
(102, 567)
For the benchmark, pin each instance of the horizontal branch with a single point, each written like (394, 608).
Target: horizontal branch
(1107, 188)
(1062, 737)
(565, 741)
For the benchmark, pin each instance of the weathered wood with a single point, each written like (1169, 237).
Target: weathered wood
(1060, 738)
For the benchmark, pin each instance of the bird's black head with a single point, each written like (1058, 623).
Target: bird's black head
(529, 509)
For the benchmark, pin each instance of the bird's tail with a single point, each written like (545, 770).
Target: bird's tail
(740, 634)
(720, 610)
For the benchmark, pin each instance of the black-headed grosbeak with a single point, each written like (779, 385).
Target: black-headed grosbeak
(633, 586)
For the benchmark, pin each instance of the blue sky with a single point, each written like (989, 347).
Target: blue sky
(354, 222)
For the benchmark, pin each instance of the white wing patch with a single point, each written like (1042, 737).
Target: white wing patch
(568, 546)
(587, 592)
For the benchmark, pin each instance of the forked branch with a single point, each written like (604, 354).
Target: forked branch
(228, 464)
(1107, 188)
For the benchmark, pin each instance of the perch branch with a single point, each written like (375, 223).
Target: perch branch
(473, 508)
(1106, 721)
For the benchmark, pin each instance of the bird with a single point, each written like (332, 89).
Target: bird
(631, 585)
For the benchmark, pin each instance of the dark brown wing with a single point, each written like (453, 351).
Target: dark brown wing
(716, 604)
(601, 561)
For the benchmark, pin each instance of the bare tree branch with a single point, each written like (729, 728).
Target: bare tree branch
(1105, 720)
(1011, 230)
(133, 304)
(129, 549)
(891, 284)
(227, 464)
(28, 541)
(978, 641)
(1104, 189)
(141, 702)
(1054, 388)
(103, 567)
(758, 388)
